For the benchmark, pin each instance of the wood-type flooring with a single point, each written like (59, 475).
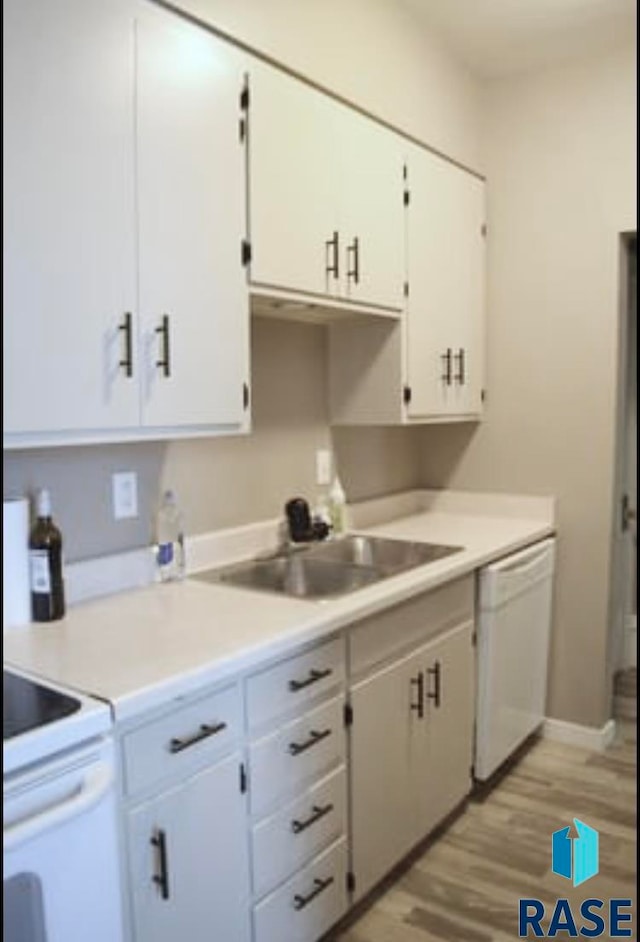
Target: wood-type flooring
(466, 885)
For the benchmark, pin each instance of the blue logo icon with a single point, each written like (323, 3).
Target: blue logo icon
(575, 858)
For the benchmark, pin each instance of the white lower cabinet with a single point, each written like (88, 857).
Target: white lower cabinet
(307, 905)
(298, 795)
(258, 811)
(189, 860)
(415, 710)
(185, 822)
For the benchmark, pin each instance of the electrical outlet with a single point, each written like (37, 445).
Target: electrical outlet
(323, 466)
(125, 495)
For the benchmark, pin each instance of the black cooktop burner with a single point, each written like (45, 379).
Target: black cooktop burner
(27, 705)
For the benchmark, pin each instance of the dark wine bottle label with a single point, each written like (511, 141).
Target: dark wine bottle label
(40, 571)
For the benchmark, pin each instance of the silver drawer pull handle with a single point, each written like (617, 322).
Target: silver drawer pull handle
(300, 901)
(314, 677)
(295, 748)
(318, 812)
(177, 745)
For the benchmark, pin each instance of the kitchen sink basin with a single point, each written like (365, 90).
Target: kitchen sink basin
(297, 575)
(386, 555)
(329, 570)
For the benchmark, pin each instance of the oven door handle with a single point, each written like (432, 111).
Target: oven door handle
(93, 788)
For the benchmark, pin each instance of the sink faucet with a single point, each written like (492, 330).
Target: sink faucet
(302, 527)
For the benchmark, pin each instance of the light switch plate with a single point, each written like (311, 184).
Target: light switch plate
(323, 466)
(125, 495)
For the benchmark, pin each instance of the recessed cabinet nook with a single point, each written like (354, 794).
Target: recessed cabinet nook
(160, 182)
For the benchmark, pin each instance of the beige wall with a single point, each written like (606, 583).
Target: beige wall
(561, 165)
(373, 52)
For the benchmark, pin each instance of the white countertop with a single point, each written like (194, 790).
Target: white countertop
(140, 648)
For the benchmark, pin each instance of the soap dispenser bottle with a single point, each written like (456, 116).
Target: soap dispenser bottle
(337, 507)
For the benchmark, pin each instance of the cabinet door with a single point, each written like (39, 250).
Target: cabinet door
(371, 212)
(68, 215)
(450, 696)
(293, 181)
(191, 217)
(445, 310)
(188, 861)
(388, 766)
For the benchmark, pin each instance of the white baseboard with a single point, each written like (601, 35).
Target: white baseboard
(585, 737)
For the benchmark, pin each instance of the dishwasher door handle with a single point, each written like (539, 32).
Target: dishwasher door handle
(93, 788)
(523, 561)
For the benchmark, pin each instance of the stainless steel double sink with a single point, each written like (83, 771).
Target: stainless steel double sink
(331, 569)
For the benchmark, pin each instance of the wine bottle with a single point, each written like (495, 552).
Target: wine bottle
(45, 564)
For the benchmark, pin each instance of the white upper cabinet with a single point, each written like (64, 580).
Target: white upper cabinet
(69, 247)
(191, 219)
(445, 308)
(126, 305)
(326, 216)
(429, 367)
(293, 184)
(371, 211)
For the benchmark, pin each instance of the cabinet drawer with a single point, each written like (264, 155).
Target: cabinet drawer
(295, 754)
(182, 741)
(287, 839)
(291, 685)
(306, 906)
(402, 627)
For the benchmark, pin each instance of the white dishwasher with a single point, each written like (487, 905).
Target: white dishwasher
(514, 625)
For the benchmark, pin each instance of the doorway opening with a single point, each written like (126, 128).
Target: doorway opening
(623, 595)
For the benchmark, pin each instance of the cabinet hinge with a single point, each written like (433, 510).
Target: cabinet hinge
(246, 252)
(406, 289)
(348, 714)
(351, 881)
(472, 771)
(245, 396)
(483, 229)
(474, 639)
(405, 172)
(407, 198)
(406, 395)
(244, 95)
(483, 395)
(243, 129)
(243, 778)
